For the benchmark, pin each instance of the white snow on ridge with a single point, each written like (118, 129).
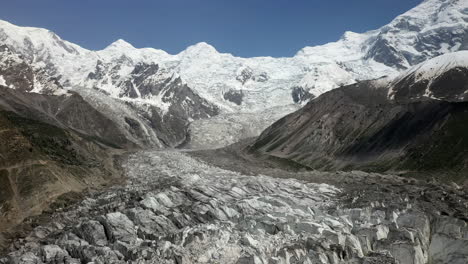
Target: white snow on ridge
(427, 72)
(438, 65)
(208, 72)
(265, 82)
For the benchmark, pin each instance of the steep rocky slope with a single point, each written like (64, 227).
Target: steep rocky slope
(52, 143)
(39, 162)
(415, 123)
(18, 74)
(443, 78)
(68, 111)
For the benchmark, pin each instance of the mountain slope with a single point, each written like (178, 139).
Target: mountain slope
(382, 125)
(40, 162)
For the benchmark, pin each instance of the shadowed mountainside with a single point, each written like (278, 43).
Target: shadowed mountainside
(359, 127)
(39, 162)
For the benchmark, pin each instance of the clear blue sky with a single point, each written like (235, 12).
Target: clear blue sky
(243, 27)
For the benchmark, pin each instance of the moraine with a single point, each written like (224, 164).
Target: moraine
(177, 209)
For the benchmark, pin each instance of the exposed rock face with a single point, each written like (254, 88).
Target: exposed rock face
(119, 228)
(300, 95)
(340, 130)
(234, 96)
(179, 210)
(382, 51)
(17, 74)
(169, 123)
(149, 105)
(93, 232)
(54, 142)
(152, 85)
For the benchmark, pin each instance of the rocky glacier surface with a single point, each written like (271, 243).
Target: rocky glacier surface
(175, 208)
(226, 129)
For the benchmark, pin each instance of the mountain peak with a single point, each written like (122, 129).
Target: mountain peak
(200, 48)
(120, 44)
(349, 35)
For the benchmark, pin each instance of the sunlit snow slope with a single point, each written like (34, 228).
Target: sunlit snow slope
(237, 84)
(166, 93)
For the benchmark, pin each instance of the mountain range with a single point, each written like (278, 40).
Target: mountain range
(161, 94)
(391, 99)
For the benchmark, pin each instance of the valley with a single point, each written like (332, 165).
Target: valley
(355, 151)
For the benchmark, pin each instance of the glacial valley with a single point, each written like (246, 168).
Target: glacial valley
(175, 208)
(355, 151)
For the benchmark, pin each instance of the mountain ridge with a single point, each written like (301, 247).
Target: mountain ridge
(222, 84)
(413, 124)
(430, 29)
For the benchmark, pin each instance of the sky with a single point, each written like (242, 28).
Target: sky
(246, 28)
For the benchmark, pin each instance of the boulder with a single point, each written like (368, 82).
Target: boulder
(93, 232)
(119, 228)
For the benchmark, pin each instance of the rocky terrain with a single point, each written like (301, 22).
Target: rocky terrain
(40, 162)
(226, 129)
(177, 209)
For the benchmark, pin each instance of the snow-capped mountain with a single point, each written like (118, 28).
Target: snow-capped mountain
(442, 78)
(15, 73)
(222, 83)
(433, 28)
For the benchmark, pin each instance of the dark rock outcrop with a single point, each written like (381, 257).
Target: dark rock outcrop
(16, 73)
(234, 96)
(300, 95)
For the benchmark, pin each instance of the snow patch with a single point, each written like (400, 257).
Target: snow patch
(2, 81)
